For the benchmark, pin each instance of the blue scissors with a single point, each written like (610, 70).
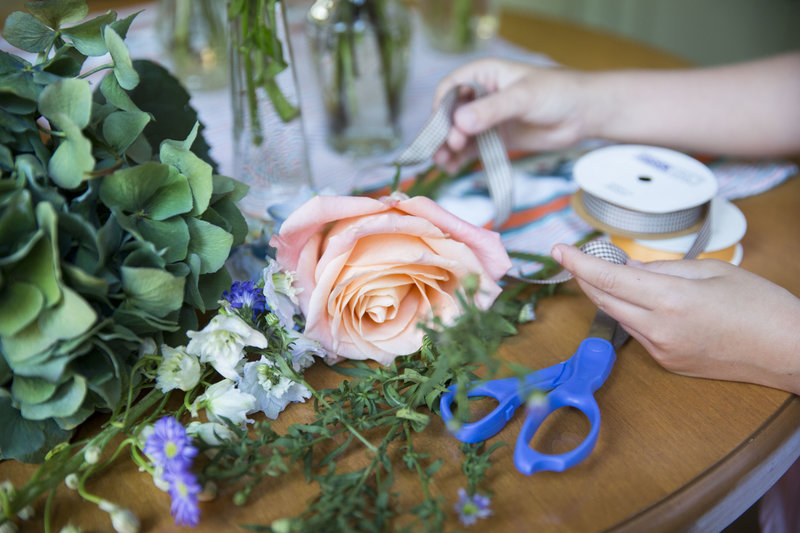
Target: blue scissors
(571, 383)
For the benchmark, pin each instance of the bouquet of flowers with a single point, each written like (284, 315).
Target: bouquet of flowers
(115, 237)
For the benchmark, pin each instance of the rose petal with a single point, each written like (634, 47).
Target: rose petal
(485, 243)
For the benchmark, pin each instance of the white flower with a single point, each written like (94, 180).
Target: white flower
(222, 343)
(272, 390)
(158, 479)
(92, 454)
(8, 527)
(280, 293)
(212, 433)
(303, 350)
(147, 347)
(72, 481)
(177, 370)
(69, 528)
(124, 521)
(224, 401)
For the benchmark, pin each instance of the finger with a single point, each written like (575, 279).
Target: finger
(619, 309)
(634, 285)
(474, 71)
(689, 269)
(488, 111)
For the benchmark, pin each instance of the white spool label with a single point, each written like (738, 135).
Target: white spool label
(648, 179)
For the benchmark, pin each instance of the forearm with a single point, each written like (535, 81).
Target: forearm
(748, 109)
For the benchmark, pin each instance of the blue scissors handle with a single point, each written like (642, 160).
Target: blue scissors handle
(592, 364)
(509, 392)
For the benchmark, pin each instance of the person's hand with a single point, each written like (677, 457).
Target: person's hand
(702, 318)
(538, 108)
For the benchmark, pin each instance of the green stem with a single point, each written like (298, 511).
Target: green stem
(98, 68)
(324, 402)
(53, 472)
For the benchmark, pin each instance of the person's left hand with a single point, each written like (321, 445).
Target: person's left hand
(704, 318)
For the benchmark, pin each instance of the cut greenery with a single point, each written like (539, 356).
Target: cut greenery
(110, 231)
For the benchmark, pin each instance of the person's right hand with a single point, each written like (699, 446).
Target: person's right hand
(536, 108)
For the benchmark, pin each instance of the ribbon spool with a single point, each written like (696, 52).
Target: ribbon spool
(657, 203)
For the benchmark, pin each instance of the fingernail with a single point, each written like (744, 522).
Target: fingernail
(556, 253)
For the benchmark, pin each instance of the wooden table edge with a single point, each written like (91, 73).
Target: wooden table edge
(712, 500)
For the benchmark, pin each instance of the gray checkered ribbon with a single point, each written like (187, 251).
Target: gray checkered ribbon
(491, 151)
(614, 254)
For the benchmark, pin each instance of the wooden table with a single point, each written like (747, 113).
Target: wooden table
(674, 453)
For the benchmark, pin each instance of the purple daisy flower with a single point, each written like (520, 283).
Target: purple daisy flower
(169, 446)
(470, 508)
(244, 294)
(183, 489)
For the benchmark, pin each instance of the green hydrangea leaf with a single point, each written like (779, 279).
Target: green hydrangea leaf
(198, 172)
(25, 345)
(130, 189)
(192, 290)
(65, 63)
(87, 36)
(151, 190)
(213, 285)
(122, 25)
(10, 122)
(17, 223)
(155, 291)
(5, 370)
(228, 187)
(85, 283)
(66, 401)
(121, 128)
(123, 66)
(174, 197)
(235, 222)
(163, 96)
(68, 97)
(25, 32)
(32, 390)
(72, 160)
(211, 243)
(140, 151)
(116, 95)
(39, 270)
(54, 13)
(170, 236)
(20, 438)
(144, 254)
(72, 317)
(20, 304)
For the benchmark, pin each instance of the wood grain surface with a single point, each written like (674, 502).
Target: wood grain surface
(674, 452)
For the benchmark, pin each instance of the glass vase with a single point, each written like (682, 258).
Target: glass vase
(193, 36)
(458, 26)
(360, 51)
(270, 151)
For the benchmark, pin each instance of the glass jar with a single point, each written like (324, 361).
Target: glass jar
(270, 151)
(193, 35)
(360, 51)
(458, 26)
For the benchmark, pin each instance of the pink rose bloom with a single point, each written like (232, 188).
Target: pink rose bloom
(371, 270)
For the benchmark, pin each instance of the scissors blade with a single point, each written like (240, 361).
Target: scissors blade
(605, 327)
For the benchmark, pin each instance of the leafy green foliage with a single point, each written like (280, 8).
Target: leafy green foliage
(113, 227)
(376, 410)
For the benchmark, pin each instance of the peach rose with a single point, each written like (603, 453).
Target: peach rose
(371, 270)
